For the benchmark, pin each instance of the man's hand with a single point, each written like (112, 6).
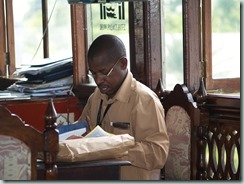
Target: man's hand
(74, 137)
(88, 130)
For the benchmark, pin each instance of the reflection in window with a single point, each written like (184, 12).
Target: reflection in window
(172, 47)
(225, 39)
(28, 30)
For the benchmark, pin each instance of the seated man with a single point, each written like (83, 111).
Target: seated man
(120, 105)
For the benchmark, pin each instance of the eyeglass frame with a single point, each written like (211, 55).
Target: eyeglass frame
(109, 72)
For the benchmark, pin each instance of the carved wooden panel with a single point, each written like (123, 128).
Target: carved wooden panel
(223, 148)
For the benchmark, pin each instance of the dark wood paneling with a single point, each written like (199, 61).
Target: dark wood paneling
(152, 38)
(10, 38)
(79, 43)
(191, 43)
(2, 38)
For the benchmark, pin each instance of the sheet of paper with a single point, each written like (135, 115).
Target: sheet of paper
(97, 132)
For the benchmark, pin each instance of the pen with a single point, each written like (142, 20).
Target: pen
(121, 125)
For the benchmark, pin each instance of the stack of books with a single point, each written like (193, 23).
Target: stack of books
(54, 78)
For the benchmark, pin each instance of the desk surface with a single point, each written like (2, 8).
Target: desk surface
(87, 170)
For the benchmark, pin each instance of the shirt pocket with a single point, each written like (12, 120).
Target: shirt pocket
(120, 127)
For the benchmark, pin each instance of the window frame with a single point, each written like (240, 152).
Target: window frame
(7, 48)
(144, 65)
(227, 85)
(79, 40)
(7, 54)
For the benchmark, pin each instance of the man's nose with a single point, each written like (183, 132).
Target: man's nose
(99, 79)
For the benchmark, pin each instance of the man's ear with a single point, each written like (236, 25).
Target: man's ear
(124, 63)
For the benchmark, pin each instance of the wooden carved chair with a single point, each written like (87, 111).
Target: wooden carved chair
(182, 116)
(20, 145)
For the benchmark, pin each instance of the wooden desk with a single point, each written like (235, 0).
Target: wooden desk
(32, 111)
(87, 170)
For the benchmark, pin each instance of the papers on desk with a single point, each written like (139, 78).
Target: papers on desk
(55, 88)
(98, 144)
(44, 68)
(46, 79)
(52, 86)
(95, 148)
(4, 95)
(77, 128)
(35, 85)
(97, 132)
(42, 92)
(12, 96)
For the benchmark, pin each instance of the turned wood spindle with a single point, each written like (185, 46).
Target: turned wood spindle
(51, 141)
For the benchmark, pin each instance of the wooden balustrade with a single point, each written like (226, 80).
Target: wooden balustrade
(217, 135)
(200, 97)
(223, 138)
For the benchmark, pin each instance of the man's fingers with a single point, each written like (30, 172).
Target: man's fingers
(88, 119)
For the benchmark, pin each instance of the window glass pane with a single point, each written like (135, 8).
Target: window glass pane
(28, 30)
(108, 18)
(172, 43)
(60, 39)
(225, 39)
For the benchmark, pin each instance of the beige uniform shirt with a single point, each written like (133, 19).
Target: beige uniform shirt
(139, 106)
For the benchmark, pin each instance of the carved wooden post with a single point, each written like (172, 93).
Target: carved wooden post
(159, 90)
(201, 156)
(51, 145)
(200, 97)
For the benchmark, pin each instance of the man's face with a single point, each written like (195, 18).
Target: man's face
(108, 75)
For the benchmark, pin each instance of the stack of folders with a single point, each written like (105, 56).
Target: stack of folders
(50, 79)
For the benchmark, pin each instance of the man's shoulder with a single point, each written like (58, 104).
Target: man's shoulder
(143, 91)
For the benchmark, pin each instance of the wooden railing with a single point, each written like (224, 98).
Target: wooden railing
(223, 138)
(217, 136)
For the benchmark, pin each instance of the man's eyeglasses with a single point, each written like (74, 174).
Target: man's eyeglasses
(101, 75)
